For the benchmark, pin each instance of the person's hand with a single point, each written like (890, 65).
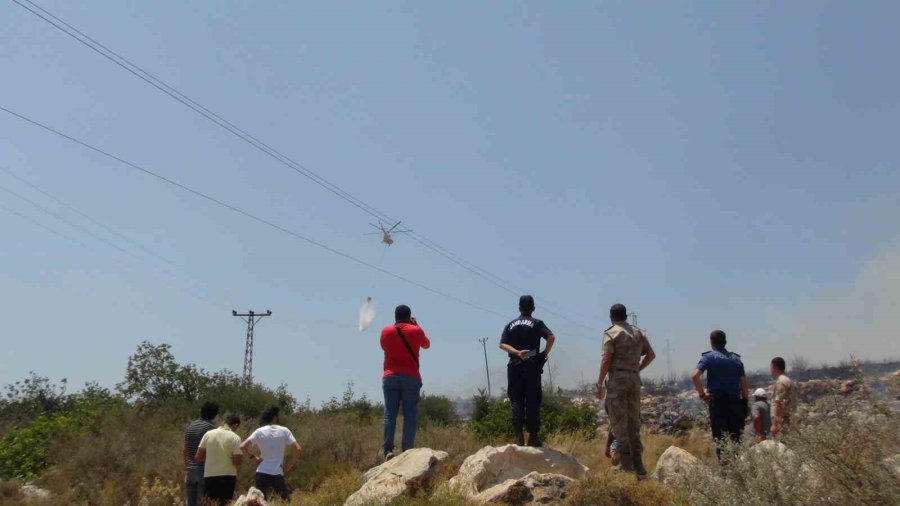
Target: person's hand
(521, 354)
(598, 391)
(413, 320)
(705, 397)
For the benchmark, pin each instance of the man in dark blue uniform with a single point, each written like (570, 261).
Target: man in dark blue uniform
(522, 341)
(727, 391)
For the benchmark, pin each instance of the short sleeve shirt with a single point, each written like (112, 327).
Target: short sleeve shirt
(271, 440)
(397, 359)
(785, 392)
(192, 436)
(760, 409)
(627, 344)
(524, 333)
(724, 370)
(221, 445)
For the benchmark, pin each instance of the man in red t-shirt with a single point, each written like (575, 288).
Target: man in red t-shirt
(401, 380)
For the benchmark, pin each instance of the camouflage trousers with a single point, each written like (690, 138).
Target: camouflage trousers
(623, 403)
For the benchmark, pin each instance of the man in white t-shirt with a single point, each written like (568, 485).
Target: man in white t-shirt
(220, 452)
(272, 440)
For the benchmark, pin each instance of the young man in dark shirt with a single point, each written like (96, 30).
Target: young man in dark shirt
(522, 341)
(193, 472)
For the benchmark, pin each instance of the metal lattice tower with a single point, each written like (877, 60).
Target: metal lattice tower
(252, 319)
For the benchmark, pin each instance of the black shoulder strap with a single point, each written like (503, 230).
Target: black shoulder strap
(406, 344)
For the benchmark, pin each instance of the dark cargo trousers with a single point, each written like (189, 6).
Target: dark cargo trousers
(525, 395)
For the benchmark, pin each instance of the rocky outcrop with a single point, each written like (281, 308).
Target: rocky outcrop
(516, 474)
(534, 488)
(673, 465)
(33, 492)
(893, 464)
(408, 472)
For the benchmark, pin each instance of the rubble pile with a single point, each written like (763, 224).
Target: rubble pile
(678, 412)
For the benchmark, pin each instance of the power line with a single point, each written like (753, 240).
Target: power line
(242, 134)
(249, 215)
(66, 221)
(41, 225)
(88, 217)
(198, 294)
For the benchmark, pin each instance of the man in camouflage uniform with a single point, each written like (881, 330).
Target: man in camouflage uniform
(626, 352)
(784, 398)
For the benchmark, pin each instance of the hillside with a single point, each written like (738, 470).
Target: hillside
(105, 447)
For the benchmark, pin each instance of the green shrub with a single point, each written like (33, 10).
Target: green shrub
(437, 410)
(25, 452)
(491, 419)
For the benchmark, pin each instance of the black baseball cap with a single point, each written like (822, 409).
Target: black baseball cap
(526, 302)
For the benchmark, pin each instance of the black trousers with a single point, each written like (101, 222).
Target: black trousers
(727, 415)
(525, 395)
(269, 483)
(219, 489)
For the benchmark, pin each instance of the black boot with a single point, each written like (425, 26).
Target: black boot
(534, 440)
(520, 438)
(639, 468)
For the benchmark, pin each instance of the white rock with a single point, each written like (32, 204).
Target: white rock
(535, 488)
(492, 466)
(894, 463)
(253, 497)
(409, 471)
(673, 465)
(34, 492)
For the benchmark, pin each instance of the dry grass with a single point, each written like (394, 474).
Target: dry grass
(133, 458)
(591, 452)
(618, 489)
(841, 461)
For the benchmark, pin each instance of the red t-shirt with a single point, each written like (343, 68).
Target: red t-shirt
(397, 359)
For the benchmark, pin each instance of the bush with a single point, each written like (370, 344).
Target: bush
(491, 419)
(25, 452)
(437, 410)
(836, 462)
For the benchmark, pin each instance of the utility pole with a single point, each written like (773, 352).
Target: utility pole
(669, 361)
(252, 319)
(633, 318)
(487, 370)
(550, 372)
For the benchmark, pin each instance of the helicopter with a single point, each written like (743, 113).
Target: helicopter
(385, 232)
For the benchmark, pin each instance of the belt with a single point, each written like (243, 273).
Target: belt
(619, 369)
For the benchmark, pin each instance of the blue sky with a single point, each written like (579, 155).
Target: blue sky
(708, 164)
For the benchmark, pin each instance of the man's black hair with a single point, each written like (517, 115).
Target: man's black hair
(526, 304)
(717, 338)
(779, 364)
(269, 415)
(618, 313)
(209, 410)
(232, 419)
(402, 314)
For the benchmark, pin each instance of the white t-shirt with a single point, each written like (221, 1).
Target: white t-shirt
(271, 441)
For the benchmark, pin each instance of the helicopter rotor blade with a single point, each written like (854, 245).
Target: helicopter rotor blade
(395, 226)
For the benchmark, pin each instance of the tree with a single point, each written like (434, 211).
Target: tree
(153, 375)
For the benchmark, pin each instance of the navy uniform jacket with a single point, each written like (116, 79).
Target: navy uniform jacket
(723, 372)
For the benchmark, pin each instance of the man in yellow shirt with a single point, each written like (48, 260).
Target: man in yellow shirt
(220, 450)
